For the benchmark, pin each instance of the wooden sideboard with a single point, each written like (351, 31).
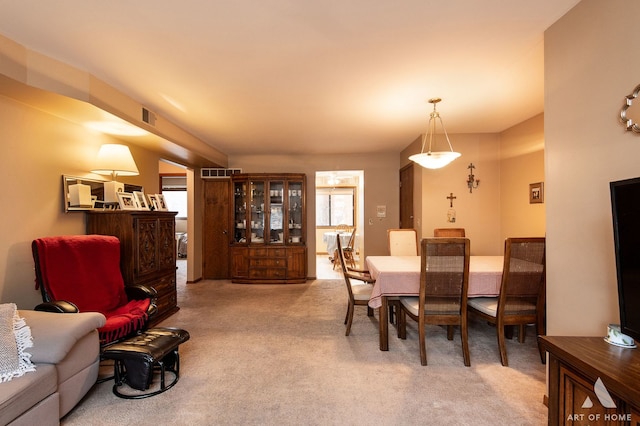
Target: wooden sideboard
(147, 251)
(575, 364)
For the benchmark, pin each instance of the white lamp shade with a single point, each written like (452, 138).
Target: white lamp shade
(434, 160)
(115, 160)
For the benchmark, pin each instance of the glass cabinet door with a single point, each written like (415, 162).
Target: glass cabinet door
(257, 221)
(276, 212)
(240, 212)
(295, 206)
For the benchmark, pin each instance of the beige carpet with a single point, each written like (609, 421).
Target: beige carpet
(267, 355)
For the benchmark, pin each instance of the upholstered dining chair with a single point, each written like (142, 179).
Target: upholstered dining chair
(522, 299)
(402, 242)
(359, 287)
(81, 273)
(444, 280)
(449, 232)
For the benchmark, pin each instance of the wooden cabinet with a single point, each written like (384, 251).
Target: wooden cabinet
(148, 251)
(268, 216)
(575, 365)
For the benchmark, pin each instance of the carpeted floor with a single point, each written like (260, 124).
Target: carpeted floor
(277, 354)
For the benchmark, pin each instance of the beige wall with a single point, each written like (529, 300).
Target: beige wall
(38, 149)
(522, 163)
(590, 66)
(381, 177)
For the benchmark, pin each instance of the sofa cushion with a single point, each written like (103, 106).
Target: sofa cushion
(54, 335)
(21, 393)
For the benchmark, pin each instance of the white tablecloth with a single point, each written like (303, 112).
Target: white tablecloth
(329, 238)
(400, 276)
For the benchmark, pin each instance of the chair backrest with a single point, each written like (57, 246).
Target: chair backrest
(402, 242)
(352, 240)
(449, 232)
(345, 272)
(343, 228)
(523, 276)
(82, 269)
(444, 275)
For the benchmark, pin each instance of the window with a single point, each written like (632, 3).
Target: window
(174, 189)
(335, 206)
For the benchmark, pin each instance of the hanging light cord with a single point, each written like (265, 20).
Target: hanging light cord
(432, 127)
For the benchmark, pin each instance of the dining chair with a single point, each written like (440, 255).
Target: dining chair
(359, 291)
(521, 300)
(402, 242)
(444, 281)
(449, 232)
(348, 250)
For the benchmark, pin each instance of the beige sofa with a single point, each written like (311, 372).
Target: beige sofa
(66, 352)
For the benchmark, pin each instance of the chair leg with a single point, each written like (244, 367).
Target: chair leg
(346, 317)
(392, 313)
(423, 342)
(502, 345)
(449, 332)
(369, 311)
(522, 333)
(464, 336)
(543, 353)
(401, 320)
(508, 331)
(350, 320)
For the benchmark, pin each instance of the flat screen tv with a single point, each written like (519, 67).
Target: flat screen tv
(625, 203)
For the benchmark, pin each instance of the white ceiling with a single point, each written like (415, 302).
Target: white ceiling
(292, 76)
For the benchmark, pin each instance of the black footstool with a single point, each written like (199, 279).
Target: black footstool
(136, 358)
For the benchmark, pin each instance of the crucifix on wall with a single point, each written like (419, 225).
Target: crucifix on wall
(451, 213)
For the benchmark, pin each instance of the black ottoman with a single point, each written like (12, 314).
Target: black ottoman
(136, 358)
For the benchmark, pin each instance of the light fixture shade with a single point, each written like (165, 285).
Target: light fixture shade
(434, 160)
(115, 160)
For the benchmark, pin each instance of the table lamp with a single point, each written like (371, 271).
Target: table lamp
(115, 160)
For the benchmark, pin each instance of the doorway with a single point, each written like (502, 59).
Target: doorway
(339, 200)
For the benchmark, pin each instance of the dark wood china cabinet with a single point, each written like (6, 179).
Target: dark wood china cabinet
(147, 250)
(268, 242)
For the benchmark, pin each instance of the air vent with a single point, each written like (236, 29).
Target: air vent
(214, 173)
(148, 117)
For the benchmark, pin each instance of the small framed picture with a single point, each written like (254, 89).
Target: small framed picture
(153, 201)
(162, 203)
(127, 201)
(141, 200)
(536, 193)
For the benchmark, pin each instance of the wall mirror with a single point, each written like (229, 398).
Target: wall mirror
(630, 113)
(80, 194)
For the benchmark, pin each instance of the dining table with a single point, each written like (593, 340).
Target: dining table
(331, 240)
(400, 276)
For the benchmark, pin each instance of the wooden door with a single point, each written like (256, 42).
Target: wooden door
(406, 196)
(216, 237)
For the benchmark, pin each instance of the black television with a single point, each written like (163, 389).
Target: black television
(625, 203)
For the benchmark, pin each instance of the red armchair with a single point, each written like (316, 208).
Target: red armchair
(81, 273)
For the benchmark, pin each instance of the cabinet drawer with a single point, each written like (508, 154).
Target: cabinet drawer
(268, 273)
(267, 262)
(267, 252)
(166, 302)
(163, 285)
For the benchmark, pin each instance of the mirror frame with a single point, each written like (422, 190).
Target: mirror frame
(628, 122)
(97, 191)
